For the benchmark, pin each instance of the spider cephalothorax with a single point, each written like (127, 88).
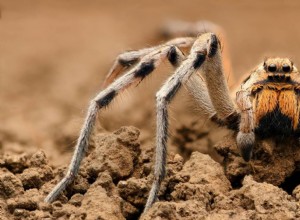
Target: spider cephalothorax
(280, 90)
(273, 92)
(266, 103)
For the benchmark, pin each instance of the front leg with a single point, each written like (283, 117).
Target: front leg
(245, 137)
(178, 28)
(214, 76)
(202, 52)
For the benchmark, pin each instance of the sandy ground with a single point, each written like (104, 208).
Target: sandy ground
(54, 57)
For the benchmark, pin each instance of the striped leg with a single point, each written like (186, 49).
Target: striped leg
(175, 28)
(145, 67)
(128, 59)
(203, 52)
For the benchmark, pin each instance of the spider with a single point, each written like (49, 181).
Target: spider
(270, 91)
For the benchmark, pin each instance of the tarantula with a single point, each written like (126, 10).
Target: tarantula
(271, 91)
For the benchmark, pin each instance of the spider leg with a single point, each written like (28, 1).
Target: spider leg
(129, 58)
(213, 74)
(203, 56)
(197, 88)
(146, 65)
(245, 137)
(175, 28)
(123, 62)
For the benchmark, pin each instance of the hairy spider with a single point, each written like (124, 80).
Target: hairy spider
(271, 91)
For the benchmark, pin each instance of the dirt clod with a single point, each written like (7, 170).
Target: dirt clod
(10, 185)
(271, 162)
(119, 158)
(112, 184)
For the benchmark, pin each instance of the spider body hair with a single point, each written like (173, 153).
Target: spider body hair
(274, 88)
(276, 107)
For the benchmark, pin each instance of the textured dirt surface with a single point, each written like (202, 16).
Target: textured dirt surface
(54, 57)
(271, 162)
(113, 183)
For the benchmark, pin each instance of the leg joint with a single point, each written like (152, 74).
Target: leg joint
(126, 62)
(167, 96)
(173, 56)
(106, 99)
(200, 58)
(144, 69)
(214, 45)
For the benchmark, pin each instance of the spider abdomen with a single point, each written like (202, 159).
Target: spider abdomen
(276, 112)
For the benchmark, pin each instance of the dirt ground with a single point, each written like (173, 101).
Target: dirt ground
(54, 57)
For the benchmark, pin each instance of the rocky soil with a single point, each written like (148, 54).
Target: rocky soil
(116, 175)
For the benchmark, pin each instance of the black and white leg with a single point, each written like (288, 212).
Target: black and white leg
(175, 28)
(203, 56)
(129, 58)
(145, 67)
(210, 89)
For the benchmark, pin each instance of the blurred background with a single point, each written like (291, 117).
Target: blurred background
(55, 54)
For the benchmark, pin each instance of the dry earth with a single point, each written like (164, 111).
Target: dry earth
(113, 183)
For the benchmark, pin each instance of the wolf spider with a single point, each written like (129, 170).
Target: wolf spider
(266, 104)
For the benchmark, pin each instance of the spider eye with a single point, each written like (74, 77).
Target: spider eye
(286, 68)
(272, 68)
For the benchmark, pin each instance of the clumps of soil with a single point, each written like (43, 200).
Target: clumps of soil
(273, 162)
(252, 201)
(115, 178)
(22, 178)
